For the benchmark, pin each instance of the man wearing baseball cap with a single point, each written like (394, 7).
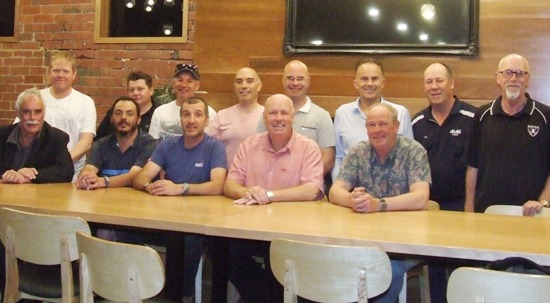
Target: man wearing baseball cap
(166, 119)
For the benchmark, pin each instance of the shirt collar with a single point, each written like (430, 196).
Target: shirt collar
(306, 107)
(496, 107)
(266, 143)
(14, 135)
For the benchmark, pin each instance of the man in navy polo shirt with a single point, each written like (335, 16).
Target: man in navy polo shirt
(443, 129)
(509, 149)
(115, 160)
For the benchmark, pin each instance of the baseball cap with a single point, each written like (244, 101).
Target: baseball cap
(190, 68)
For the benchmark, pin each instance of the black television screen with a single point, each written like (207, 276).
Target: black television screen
(382, 26)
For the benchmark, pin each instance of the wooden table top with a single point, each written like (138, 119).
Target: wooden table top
(429, 233)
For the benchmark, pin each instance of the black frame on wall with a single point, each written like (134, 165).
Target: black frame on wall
(370, 26)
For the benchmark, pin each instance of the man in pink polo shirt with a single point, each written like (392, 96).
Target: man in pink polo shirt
(274, 166)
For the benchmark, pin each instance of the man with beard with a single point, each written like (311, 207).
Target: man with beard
(115, 160)
(165, 122)
(509, 150)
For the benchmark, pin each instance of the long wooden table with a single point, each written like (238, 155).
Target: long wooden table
(428, 233)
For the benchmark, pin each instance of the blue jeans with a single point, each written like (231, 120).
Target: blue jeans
(398, 269)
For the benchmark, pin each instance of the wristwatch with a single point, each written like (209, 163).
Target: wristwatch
(383, 205)
(185, 187)
(544, 203)
(270, 196)
(108, 182)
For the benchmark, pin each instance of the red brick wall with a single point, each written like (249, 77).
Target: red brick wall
(47, 25)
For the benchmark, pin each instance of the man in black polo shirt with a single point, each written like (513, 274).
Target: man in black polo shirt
(140, 89)
(509, 149)
(115, 160)
(443, 129)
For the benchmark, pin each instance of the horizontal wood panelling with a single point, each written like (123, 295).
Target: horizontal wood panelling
(230, 35)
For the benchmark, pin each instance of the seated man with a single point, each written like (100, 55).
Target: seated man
(115, 160)
(274, 166)
(386, 173)
(32, 150)
(194, 164)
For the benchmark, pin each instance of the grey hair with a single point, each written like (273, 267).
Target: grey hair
(29, 92)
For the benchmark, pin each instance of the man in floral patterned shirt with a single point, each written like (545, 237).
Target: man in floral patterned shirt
(386, 173)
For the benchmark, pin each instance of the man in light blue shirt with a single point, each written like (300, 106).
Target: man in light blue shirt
(350, 118)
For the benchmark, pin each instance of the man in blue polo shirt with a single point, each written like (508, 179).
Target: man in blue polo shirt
(115, 160)
(509, 149)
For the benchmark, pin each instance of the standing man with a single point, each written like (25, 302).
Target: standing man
(68, 109)
(350, 118)
(116, 159)
(274, 166)
(509, 149)
(31, 150)
(238, 122)
(310, 120)
(443, 129)
(194, 164)
(386, 173)
(165, 122)
(140, 89)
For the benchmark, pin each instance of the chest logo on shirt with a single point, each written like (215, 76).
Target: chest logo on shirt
(533, 130)
(199, 164)
(455, 132)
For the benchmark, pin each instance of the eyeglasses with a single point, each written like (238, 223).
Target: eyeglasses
(299, 79)
(520, 74)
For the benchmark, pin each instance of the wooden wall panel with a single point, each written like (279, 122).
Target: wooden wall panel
(233, 34)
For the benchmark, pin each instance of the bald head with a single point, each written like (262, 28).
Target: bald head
(279, 100)
(247, 85)
(296, 81)
(505, 61)
(278, 118)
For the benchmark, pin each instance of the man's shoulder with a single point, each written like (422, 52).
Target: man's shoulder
(54, 131)
(410, 144)
(347, 107)
(6, 130)
(398, 107)
(166, 107)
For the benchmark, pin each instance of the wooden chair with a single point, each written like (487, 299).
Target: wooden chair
(482, 285)
(39, 250)
(420, 271)
(514, 210)
(117, 271)
(328, 273)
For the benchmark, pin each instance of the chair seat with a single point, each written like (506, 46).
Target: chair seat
(50, 277)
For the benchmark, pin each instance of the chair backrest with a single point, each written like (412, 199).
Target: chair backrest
(37, 237)
(513, 210)
(43, 240)
(328, 273)
(482, 285)
(117, 271)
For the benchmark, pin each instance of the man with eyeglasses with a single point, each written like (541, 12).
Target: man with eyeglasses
(350, 118)
(509, 150)
(165, 122)
(310, 119)
(140, 89)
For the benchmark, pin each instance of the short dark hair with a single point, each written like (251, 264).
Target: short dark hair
(124, 98)
(138, 75)
(195, 100)
(369, 60)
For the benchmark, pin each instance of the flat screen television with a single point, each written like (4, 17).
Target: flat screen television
(382, 27)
